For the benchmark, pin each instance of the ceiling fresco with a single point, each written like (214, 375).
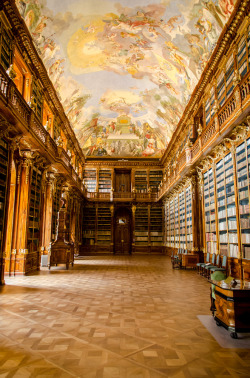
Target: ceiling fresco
(125, 69)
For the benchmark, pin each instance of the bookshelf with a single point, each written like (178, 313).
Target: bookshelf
(182, 220)
(167, 218)
(243, 171)
(227, 223)
(4, 154)
(209, 204)
(156, 222)
(189, 218)
(176, 222)
(55, 209)
(104, 225)
(105, 181)
(141, 225)
(141, 181)
(5, 43)
(34, 210)
(90, 180)
(37, 99)
(89, 225)
(171, 213)
(155, 177)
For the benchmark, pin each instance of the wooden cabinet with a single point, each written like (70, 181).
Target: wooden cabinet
(232, 307)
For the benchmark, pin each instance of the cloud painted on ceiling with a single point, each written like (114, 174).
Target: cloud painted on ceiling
(124, 70)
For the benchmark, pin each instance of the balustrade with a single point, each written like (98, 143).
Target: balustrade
(227, 110)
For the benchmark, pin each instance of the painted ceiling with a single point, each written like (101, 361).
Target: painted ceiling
(124, 70)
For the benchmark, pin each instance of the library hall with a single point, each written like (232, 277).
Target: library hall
(124, 188)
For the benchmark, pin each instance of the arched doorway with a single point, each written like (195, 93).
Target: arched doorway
(122, 231)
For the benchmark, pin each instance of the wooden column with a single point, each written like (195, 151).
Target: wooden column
(23, 211)
(10, 210)
(132, 179)
(47, 212)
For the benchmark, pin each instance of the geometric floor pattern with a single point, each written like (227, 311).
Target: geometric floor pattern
(112, 317)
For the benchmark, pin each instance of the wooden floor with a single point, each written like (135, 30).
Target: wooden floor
(112, 317)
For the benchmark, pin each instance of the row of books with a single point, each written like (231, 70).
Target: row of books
(245, 222)
(244, 209)
(210, 236)
(245, 238)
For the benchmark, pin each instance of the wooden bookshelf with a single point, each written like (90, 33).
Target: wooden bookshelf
(171, 211)
(5, 42)
(37, 99)
(243, 169)
(209, 206)
(176, 222)
(141, 226)
(189, 219)
(141, 181)
(4, 155)
(34, 210)
(55, 209)
(89, 225)
(156, 222)
(90, 180)
(227, 223)
(104, 225)
(167, 224)
(182, 220)
(105, 181)
(155, 178)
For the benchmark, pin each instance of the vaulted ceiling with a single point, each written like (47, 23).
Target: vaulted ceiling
(125, 69)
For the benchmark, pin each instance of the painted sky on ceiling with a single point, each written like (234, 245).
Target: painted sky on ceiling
(124, 70)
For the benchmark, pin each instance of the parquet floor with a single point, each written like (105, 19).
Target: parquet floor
(112, 317)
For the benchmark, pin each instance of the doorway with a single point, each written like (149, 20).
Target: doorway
(122, 231)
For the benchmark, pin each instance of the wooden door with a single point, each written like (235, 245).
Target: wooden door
(122, 181)
(122, 232)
